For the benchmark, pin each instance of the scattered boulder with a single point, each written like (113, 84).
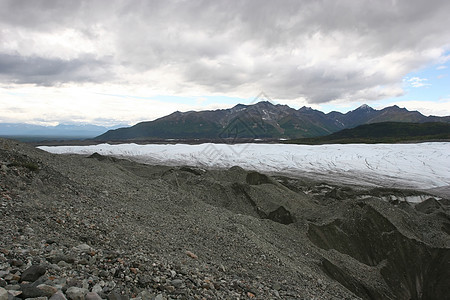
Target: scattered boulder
(116, 296)
(83, 248)
(47, 290)
(55, 259)
(30, 291)
(177, 283)
(92, 296)
(146, 295)
(76, 293)
(58, 296)
(33, 273)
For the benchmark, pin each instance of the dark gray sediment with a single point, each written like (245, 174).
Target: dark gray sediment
(76, 227)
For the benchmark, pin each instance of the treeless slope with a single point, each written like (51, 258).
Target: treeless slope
(117, 227)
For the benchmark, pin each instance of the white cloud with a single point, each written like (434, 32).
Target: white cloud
(85, 104)
(441, 68)
(299, 51)
(417, 82)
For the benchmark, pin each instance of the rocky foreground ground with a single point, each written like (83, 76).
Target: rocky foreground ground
(96, 227)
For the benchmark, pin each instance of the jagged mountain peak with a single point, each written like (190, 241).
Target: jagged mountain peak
(240, 105)
(395, 107)
(364, 107)
(265, 104)
(305, 108)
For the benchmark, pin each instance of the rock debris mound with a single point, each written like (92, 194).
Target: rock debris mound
(75, 227)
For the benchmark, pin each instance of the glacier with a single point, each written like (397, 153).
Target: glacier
(418, 166)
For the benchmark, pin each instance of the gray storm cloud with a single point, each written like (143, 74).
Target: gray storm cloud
(47, 72)
(316, 50)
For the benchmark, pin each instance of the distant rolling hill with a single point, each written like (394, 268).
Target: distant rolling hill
(262, 120)
(31, 132)
(385, 132)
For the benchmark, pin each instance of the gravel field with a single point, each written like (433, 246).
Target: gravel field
(98, 227)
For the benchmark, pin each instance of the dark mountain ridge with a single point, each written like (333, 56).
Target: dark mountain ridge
(262, 120)
(384, 132)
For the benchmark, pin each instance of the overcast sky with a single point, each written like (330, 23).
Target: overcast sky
(116, 61)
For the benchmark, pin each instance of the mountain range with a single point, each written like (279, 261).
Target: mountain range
(262, 120)
(30, 132)
(384, 132)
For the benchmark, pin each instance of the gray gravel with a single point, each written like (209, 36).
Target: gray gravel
(76, 227)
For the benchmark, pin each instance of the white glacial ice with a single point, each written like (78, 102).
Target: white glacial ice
(422, 165)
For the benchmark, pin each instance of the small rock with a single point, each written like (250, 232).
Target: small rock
(177, 283)
(33, 273)
(40, 280)
(159, 297)
(3, 294)
(47, 289)
(54, 267)
(17, 263)
(63, 264)
(60, 257)
(92, 296)
(103, 273)
(116, 296)
(73, 282)
(12, 277)
(76, 293)
(83, 248)
(97, 288)
(191, 255)
(146, 295)
(14, 294)
(12, 287)
(30, 291)
(58, 296)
